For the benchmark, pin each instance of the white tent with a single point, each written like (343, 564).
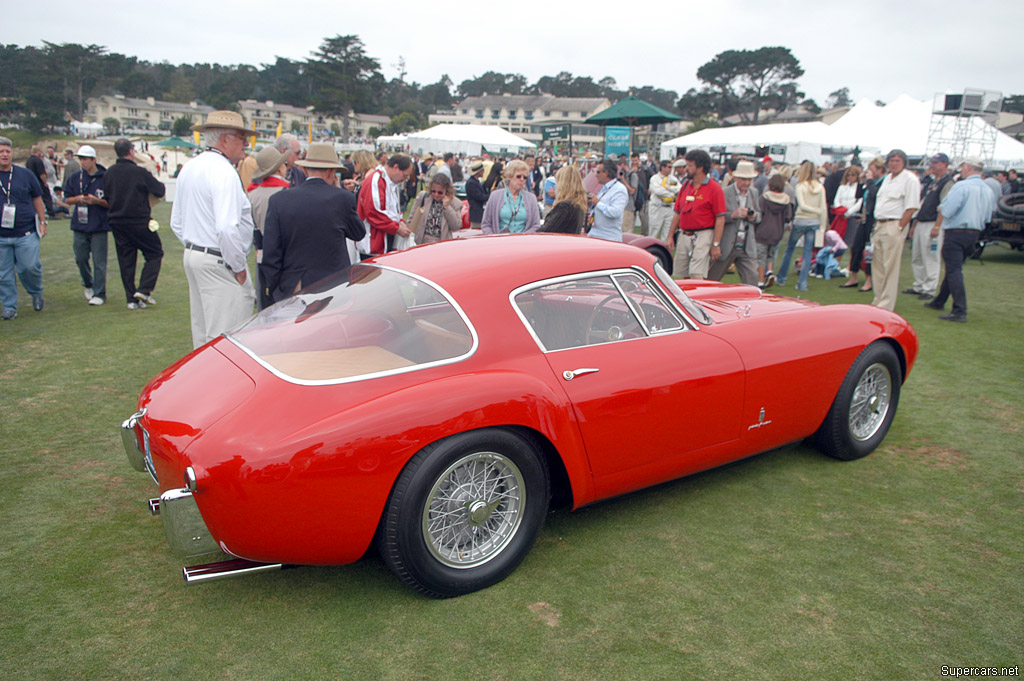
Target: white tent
(902, 124)
(905, 124)
(471, 140)
(393, 142)
(787, 142)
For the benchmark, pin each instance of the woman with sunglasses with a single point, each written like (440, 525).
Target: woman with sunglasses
(512, 209)
(436, 213)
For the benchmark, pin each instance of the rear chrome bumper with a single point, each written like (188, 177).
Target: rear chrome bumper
(136, 444)
(184, 526)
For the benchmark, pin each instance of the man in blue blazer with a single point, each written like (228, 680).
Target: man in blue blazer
(306, 228)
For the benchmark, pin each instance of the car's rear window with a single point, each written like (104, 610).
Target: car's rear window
(362, 323)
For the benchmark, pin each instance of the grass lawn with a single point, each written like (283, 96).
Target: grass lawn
(786, 566)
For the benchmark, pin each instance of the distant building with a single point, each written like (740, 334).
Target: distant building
(152, 116)
(525, 115)
(268, 114)
(140, 116)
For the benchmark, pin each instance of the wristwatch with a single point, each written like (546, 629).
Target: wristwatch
(715, 244)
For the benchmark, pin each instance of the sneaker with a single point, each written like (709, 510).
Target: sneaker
(145, 299)
(88, 294)
(96, 300)
(8, 314)
(769, 281)
(136, 306)
(37, 302)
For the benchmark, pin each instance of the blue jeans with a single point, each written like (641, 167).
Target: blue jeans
(807, 232)
(21, 254)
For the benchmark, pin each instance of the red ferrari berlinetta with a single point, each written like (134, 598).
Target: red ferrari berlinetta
(437, 400)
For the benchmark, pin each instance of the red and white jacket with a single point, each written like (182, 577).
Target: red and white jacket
(378, 207)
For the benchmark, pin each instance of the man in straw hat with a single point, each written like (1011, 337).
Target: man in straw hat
(270, 177)
(304, 238)
(212, 217)
(735, 239)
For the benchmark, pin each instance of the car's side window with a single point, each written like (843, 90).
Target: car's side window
(596, 309)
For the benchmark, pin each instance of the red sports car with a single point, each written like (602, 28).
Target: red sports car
(436, 400)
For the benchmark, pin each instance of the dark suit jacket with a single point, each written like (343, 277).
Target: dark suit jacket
(304, 236)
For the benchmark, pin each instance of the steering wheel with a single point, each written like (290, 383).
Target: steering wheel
(602, 326)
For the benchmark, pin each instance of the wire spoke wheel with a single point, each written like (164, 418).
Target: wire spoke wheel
(474, 509)
(870, 402)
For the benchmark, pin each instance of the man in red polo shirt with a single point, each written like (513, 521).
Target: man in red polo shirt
(700, 216)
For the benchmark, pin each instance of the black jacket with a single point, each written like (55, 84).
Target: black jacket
(304, 235)
(127, 187)
(477, 196)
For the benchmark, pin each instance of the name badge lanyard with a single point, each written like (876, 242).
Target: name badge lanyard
(515, 208)
(82, 209)
(7, 221)
(600, 195)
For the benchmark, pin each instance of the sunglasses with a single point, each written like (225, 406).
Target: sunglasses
(437, 192)
(520, 177)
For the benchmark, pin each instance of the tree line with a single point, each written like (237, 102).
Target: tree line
(41, 85)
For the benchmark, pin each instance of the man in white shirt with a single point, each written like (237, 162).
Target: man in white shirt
(212, 217)
(663, 193)
(898, 197)
(608, 203)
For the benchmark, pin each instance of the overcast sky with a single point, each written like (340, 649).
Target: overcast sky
(877, 48)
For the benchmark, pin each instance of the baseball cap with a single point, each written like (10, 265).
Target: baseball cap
(86, 151)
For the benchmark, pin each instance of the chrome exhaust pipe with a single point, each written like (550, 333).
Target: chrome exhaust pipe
(224, 569)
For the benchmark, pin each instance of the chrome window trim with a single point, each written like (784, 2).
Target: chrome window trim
(686, 324)
(390, 372)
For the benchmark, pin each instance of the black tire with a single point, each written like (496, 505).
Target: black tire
(865, 405)
(663, 256)
(444, 533)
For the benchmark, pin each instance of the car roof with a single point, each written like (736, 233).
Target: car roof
(507, 261)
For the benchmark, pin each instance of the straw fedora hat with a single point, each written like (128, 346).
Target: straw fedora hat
(320, 155)
(228, 120)
(268, 160)
(745, 171)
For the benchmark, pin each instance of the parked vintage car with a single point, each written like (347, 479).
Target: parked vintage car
(434, 400)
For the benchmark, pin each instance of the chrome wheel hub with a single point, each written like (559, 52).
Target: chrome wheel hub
(474, 509)
(870, 403)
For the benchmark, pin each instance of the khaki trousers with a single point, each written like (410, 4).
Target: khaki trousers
(924, 260)
(888, 241)
(693, 254)
(218, 303)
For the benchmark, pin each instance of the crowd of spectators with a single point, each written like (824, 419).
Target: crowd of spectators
(309, 213)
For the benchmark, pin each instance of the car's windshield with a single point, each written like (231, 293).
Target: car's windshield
(690, 305)
(362, 322)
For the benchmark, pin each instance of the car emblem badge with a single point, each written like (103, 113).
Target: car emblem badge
(760, 421)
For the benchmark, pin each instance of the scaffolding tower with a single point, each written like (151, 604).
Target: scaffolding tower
(963, 125)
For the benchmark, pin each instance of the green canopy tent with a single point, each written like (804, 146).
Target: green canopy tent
(176, 144)
(632, 112)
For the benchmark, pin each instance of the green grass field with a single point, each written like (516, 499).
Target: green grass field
(788, 565)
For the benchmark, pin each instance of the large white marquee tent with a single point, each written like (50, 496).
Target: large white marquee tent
(902, 124)
(471, 140)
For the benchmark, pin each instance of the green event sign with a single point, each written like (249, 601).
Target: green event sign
(561, 131)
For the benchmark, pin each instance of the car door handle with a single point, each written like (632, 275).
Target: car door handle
(569, 375)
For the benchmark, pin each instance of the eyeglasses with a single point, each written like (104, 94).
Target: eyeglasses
(437, 192)
(521, 177)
